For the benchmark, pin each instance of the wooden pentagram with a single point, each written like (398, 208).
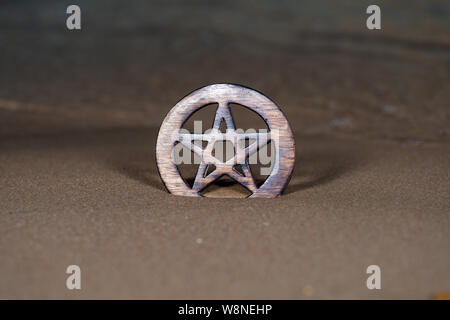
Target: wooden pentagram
(224, 94)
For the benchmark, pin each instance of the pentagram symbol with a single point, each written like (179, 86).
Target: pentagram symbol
(224, 167)
(224, 94)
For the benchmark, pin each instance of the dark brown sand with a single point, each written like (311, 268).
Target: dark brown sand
(79, 115)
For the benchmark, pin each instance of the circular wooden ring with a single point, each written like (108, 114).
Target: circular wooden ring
(224, 94)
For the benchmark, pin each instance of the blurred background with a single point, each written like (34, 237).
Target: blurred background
(131, 62)
(80, 112)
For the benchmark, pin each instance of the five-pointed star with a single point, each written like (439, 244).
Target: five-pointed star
(224, 168)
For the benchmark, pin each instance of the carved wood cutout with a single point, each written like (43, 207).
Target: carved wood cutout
(279, 133)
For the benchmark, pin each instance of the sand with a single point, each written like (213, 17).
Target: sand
(79, 116)
(93, 198)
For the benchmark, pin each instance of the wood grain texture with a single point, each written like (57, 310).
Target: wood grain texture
(279, 133)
